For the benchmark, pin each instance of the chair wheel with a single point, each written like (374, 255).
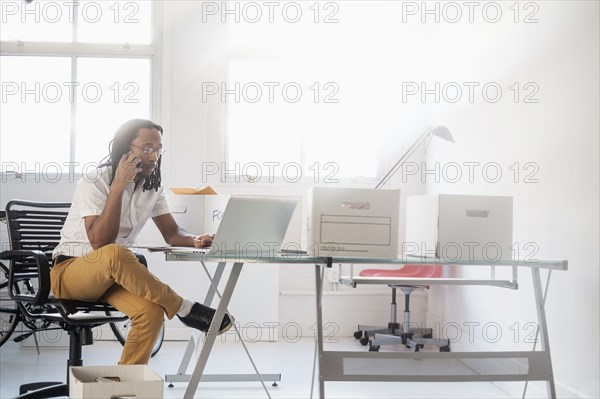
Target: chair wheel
(364, 341)
(358, 334)
(445, 348)
(373, 348)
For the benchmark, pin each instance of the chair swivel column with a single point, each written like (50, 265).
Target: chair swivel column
(406, 332)
(393, 324)
(75, 350)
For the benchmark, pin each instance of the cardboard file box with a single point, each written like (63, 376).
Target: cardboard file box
(352, 222)
(138, 380)
(214, 207)
(459, 227)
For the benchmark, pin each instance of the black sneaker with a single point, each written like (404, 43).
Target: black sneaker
(201, 316)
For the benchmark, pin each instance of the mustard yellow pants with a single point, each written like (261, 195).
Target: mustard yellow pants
(114, 275)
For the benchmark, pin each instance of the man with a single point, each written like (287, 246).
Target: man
(108, 211)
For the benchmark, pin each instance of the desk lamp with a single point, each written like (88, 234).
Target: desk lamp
(439, 131)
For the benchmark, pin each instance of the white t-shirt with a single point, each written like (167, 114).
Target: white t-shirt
(89, 200)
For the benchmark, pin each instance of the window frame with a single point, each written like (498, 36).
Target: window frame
(74, 50)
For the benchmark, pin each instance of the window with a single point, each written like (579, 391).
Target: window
(71, 72)
(290, 96)
(283, 123)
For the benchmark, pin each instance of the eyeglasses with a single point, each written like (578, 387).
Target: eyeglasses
(147, 150)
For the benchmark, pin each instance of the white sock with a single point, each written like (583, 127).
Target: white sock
(185, 308)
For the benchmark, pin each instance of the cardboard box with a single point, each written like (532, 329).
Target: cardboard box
(214, 207)
(459, 227)
(188, 211)
(138, 380)
(352, 222)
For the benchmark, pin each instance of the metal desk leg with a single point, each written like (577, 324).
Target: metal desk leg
(319, 298)
(212, 332)
(181, 375)
(543, 327)
(189, 351)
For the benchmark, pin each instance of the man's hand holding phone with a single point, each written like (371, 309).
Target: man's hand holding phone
(129, 167)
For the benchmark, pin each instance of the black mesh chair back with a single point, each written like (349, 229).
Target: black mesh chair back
(34, 231)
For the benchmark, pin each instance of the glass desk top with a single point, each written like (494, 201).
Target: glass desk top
(299, 258)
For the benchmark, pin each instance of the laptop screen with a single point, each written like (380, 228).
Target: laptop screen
(253, 226)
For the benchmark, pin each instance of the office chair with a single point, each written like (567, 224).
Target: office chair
(412, 337)
(34, 231)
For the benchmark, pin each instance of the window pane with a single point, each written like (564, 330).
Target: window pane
(98, 21)
(255, 126)
(110, 92)
(35, 123)
(280, 115)
(347, 101)
(115, 22)
(44, 21)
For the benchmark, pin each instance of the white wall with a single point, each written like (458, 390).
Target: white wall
(559, 212)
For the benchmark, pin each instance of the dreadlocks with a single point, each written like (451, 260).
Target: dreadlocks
(121, 145)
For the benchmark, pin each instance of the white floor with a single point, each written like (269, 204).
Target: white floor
(293, 360)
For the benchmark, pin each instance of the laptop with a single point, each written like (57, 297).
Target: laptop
(252, 227)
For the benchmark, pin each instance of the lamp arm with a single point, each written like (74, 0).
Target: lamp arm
(403, 159)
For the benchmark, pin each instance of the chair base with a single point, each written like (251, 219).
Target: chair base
(412, 341)
(395, 333)
(41, 390)
(393, 329)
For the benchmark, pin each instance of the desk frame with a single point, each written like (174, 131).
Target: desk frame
(332, 363)
(198, 374)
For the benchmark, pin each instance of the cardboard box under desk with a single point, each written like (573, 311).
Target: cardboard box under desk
(459, 227)
(138, 380)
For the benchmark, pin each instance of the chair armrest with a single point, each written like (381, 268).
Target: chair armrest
(28, 265)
